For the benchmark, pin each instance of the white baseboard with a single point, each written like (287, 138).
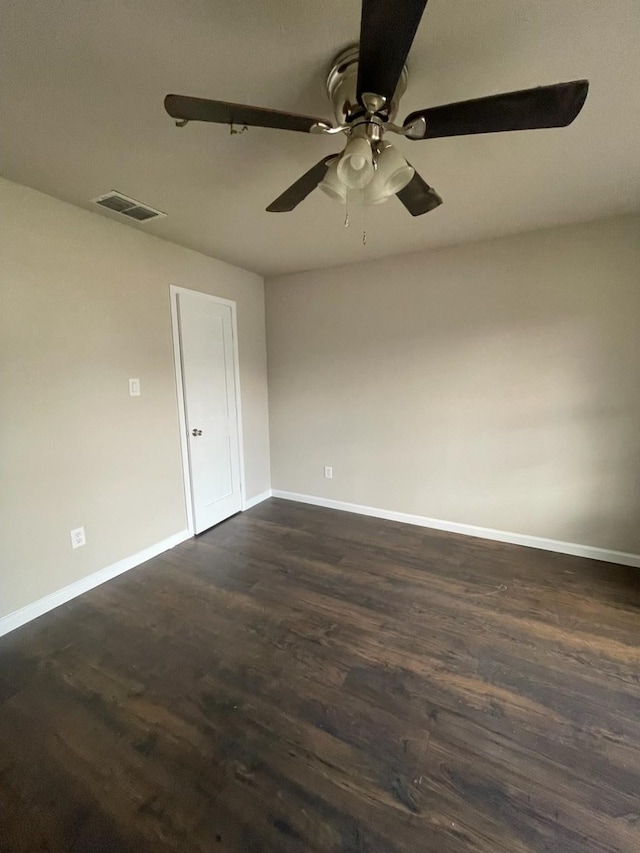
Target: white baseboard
(257, 499)
(556, 545)
(43, 605)
(49, 602)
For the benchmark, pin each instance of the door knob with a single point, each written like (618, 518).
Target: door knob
(196, 432)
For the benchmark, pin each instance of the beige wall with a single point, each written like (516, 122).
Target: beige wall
(494, 384)
(85, 306)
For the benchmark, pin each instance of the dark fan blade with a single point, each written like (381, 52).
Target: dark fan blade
(297, 192)
(387, 28)
(545, 106)
(418, 197)
(201, 109)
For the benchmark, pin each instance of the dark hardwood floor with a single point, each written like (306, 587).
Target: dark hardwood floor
(300, 679)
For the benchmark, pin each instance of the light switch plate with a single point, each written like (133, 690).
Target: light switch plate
(328, 472)
(134, 387)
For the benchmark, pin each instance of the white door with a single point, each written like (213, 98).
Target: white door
(209, 386)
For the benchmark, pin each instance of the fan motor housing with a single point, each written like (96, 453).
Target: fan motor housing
(342, 87)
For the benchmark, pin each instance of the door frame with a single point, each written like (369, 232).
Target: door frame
(174, 292)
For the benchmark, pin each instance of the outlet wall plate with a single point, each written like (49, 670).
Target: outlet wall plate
(78, 538)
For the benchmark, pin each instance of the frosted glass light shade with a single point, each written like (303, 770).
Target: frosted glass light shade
(331, 184)
(355, 167)
(392, 174)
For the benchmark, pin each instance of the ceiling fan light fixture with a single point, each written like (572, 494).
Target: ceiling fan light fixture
(392, 174)
(332, 186)
(355, 167)
(365, 84)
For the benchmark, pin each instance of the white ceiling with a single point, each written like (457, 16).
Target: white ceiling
(82, 85)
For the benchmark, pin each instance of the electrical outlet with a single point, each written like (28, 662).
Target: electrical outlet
(328, 472)
(78, 539)
(134, 387)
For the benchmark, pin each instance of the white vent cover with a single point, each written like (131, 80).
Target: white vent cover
(126, 206)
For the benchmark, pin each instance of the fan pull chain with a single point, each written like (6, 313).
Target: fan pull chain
(346, 213)
(364, 223)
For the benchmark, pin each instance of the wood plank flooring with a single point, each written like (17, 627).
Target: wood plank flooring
(299, 679)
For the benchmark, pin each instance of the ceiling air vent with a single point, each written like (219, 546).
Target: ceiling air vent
(128, 206)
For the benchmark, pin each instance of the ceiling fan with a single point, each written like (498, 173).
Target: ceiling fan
(365, 85)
